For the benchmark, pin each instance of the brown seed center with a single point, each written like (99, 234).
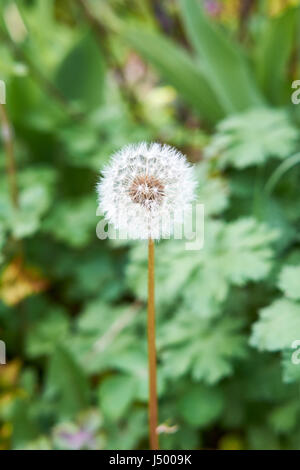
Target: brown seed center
(145, 190)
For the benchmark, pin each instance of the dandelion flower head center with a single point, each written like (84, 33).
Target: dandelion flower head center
(146, 190)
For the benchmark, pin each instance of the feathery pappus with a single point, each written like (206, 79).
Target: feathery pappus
(145, 190)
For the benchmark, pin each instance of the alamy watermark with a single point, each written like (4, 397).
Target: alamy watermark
(295, 97)
(2, 353)
(296, 354)
(2, 92)
(188, 225)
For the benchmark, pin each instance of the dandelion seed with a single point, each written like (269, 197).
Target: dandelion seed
(146, 189)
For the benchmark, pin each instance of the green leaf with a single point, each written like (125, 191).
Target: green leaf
(179, 70)
(280, 171)
(262, 438)
(233, 254)
(213, 190)
(96, 317)
(253, 137)
(206, 349)
(262, 380)
(35, 197)
(224, 65)
(73, 222)
(40, 443)
(131, 433)
(200, 406)
(105, 336)
(24, 425)
(246, 250)
(172, 272)
(2, 242)
(183, 438)
(134, 361)
(116, 395)
(47, 333)
(66, 383)
(99, 272)
(291, 365)
(278, 326)
(272, 68)
(289, 282)
(284, 418)
(80, 77)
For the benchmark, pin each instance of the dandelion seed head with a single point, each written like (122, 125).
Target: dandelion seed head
(145, 190)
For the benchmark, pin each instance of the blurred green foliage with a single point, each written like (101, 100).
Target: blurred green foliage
(84, 78)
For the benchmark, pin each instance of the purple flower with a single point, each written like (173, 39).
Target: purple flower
(81, 439)
(212, 7)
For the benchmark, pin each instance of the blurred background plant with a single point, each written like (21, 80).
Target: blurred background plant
(212, 77)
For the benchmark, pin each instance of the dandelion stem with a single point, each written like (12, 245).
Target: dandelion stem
(153, 412)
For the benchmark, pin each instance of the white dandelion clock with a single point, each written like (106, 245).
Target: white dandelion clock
(146, 189)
